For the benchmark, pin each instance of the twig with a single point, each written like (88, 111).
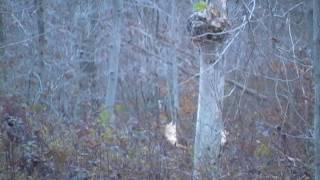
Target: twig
(247, 90)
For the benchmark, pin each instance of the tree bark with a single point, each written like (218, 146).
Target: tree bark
(3, 71)
(40, 46)
(1, 33)
(316, 68)
(87, 64)
(172, 76)
(209, 126)
(115, 56)
(209, 117)
(41, 28)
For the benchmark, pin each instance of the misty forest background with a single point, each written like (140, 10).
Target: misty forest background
(106, 89)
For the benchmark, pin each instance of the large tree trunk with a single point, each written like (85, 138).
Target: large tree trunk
(209, 118)
(115, 55)
(316, 67)
(209, 126)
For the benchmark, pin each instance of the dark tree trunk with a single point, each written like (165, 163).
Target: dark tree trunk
(41, 28)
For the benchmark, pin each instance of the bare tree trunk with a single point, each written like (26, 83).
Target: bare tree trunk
(172, 76)
(316, 67)
(209, 118)
(88, 66)
(209, 126)
(39, 61)
(115, 55)
(3, 72)
(1, 32)
(40, 23)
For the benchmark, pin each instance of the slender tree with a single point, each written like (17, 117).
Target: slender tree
(316, 68)
(40, 46)
(113, 63)
(1, 32)
(2, 37)
(40, 24)
(88, 66)
(173, 68)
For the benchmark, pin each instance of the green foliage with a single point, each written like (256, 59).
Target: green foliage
(199, 6)
(107, 136)
(263, 151)
(38, 107)
(56, 143)
(119, 108)
(104, 117)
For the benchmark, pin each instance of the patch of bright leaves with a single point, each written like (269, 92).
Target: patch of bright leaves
(199, 6)
(263, 151)
(104, 117)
